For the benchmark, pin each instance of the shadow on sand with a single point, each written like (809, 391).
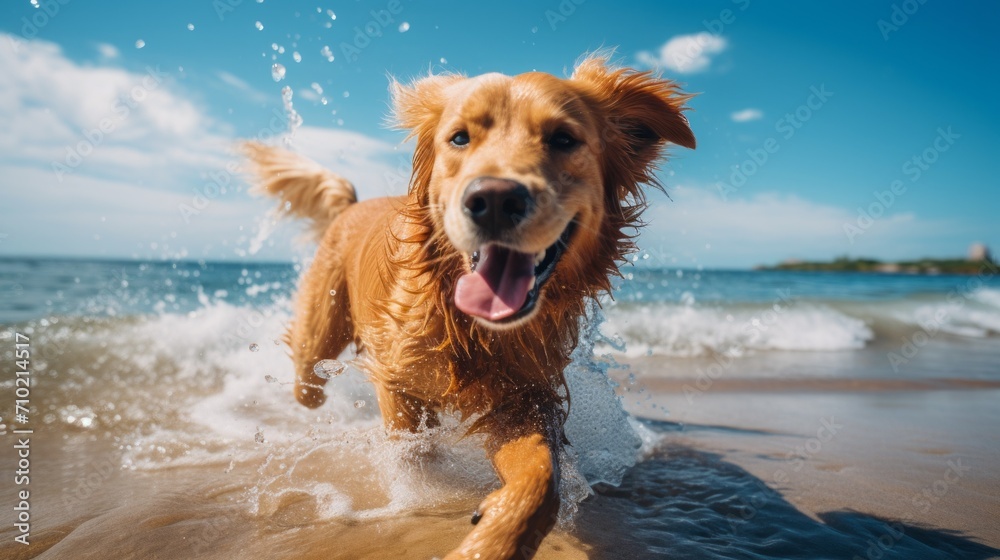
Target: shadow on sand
(687, 503)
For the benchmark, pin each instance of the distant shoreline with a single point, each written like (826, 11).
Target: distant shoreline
(918, 267)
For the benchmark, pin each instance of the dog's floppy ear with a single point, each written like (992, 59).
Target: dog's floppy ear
(417, 107)
(639, 111)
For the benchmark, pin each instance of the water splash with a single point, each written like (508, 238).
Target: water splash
(266, 225)
(326, 369)
(327, 53)
(404, 27)
(277, 72)
(140, 43)
(259, 26)
(294, 119)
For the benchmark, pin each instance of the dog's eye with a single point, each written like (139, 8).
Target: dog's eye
(461, 138)
(562, 141)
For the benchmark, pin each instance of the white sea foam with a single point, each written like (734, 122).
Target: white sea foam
(235, 406)
(973, 314)
(692, 330)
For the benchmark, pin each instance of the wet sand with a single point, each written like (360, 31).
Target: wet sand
(747, 469)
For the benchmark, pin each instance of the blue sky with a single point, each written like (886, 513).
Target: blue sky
(865, 98)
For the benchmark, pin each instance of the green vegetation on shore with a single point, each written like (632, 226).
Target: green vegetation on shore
(922, 266)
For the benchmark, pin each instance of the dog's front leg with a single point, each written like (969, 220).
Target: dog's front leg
(512, 521)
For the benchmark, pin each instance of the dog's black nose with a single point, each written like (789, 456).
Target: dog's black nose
(496, 205)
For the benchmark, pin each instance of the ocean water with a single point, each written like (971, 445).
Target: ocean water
(167, 381)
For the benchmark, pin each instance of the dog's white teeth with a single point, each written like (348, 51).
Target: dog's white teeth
(531, 286)
(539, 257)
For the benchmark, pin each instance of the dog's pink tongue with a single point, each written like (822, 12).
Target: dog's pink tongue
(499, 286)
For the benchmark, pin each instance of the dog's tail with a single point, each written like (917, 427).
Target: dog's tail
(305, 188)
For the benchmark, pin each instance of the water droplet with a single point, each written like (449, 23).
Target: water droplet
(317, 88)
(296, 56)
(35, 4)
(333, 292)
(444, 60)
(277, 342)
(140, 43)
(259, 26)
(327, 53)
(326, 369)
(645, 257)
(277, 72)
(190, 27)
(259, 436)
(359, 403)
(270, 379)
(347, 94)
(404, 27)
(294, 119)
(254, 347)
(331, 14)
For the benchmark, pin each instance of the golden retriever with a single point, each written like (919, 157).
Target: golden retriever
(465, 295)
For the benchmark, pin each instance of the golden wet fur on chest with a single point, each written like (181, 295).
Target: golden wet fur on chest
(565, 158)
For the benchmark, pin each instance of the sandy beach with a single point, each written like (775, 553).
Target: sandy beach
(164, 427)
(753, 469)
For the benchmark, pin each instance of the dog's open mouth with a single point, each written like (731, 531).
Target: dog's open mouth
(504, 284)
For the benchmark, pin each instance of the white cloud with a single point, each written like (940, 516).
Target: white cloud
(698, 226)
(107, 50)
(747, 115)
(685, 54)
(308, 94)
(159, 151)
(243, 87)
(375, 167)
(100, 119)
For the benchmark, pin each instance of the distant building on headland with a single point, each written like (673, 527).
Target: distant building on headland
(979, 252)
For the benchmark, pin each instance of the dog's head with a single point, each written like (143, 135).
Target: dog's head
(525, 174)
